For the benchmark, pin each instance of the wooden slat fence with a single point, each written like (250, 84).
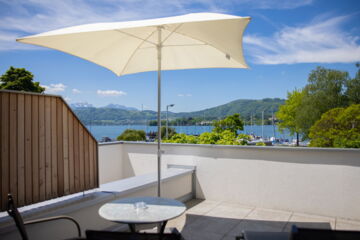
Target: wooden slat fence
(45, 151)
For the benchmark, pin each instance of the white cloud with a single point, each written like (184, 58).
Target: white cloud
(75, 91)
(25, 17)
(184, 95)
(273, 4)
(111, 93)
(67, 99)
(54, 88)
(321, 41)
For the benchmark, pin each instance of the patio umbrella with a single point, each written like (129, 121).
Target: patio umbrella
(199, 40)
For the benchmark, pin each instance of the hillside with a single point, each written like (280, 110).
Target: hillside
(245, 107)
(116, 116)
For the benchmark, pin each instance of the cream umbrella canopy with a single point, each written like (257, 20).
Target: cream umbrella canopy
(199, 40)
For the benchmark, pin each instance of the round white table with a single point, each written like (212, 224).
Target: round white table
(158, 210)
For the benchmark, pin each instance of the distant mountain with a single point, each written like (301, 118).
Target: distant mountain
(81, 105)
(246, 108)
(118, 116)
(118, 106)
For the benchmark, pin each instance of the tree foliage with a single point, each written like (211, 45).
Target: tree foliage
(225, 132)
(232, 123)
(171, 132)
(326, 89)
(227, 137)
(182, 138)
(209, 138)
(19, 79)
(288, 112)
(353, 88)
(132, 135)
(338, 127)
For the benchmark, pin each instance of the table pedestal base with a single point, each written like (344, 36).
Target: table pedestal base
(161, 227)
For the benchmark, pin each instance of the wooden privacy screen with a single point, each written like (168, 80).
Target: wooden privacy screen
(46, 152)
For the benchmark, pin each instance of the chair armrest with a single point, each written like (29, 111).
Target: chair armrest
(54, 219)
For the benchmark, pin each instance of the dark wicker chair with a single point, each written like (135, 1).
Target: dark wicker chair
(20, 224)
(301, 234)
(323, 234)
(106, 235)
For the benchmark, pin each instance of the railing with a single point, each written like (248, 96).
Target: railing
(46, 152)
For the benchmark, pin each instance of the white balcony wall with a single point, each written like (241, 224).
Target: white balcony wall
(110, 163)
(310, 180)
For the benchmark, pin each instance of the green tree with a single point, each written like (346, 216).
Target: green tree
(323, 131)
(171, 132)
(21, 80)
(232, 123)
(349, 124)
(288, 113)
(132, 135)
(338, 127)
(324, 91)
(353, 88)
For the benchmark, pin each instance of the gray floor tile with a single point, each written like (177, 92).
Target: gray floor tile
(201, 206)
(230, 210)
(257, 225)
(213, 224)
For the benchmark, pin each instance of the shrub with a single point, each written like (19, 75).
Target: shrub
(132, 135)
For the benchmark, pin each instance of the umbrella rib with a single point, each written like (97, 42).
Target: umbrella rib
(179, 45)
(205, 43)
(133, 53)
(172, 32)
(134, 36)
(185, 45)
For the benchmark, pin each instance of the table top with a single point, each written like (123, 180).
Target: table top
(158, 210)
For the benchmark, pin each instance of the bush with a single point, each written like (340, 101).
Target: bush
(224, 133)
(209, 138)
(182, 138)
(227, 137)
(132, 135)
(260, 144)
(243, 139)
(338, 127)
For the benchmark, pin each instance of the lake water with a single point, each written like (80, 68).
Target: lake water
(113, 131)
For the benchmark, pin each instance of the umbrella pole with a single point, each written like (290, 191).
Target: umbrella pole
(159, 46)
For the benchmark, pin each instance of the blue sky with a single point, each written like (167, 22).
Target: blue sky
(284, 41)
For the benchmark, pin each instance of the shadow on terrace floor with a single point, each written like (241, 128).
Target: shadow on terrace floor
(213, 220)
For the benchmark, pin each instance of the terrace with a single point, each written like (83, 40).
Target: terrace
(227, 189)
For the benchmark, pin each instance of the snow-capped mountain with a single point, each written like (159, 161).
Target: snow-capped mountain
(118, 106)
(81, 105)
